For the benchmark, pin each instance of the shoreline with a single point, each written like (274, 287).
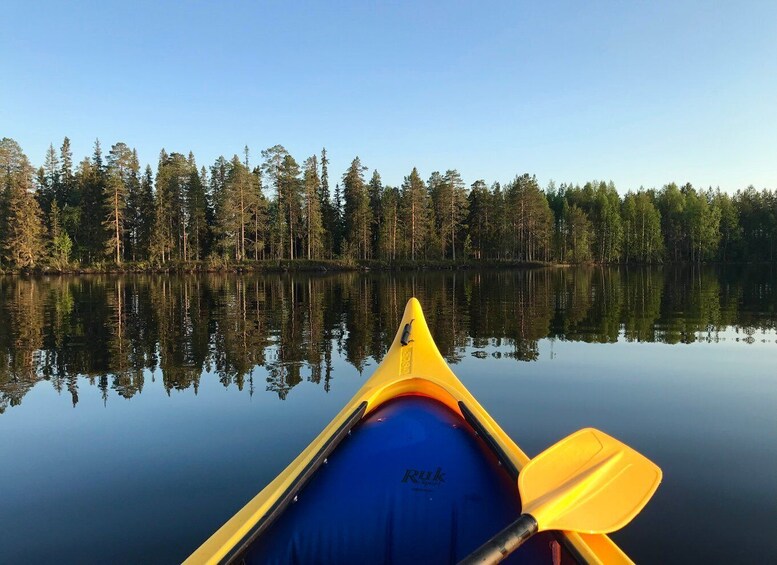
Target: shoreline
(282, 266)
(332, 266)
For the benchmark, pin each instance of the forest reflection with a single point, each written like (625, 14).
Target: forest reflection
(116, 331)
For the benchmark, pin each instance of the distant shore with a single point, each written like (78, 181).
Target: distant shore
(322, 266)
(279, 266)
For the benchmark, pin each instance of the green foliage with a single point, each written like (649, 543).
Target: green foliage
(108, 210)
(21, 226)
(357, 213)
(416, 216)
(314, 227)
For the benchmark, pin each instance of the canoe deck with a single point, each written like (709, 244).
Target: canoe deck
(413, 483)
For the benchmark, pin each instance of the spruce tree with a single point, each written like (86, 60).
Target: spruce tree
(146, 213)
(134, 211)
(327, 209)
(64, 195)
(258, 211)
(48, 180)
(375, 190)
(60, 244)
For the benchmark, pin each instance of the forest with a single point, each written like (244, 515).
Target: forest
(108, 212)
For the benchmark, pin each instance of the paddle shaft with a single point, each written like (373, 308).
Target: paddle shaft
(503, 543)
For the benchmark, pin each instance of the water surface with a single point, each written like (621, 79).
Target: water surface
(138, 413)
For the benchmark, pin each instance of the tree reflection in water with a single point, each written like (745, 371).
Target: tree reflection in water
(117, 332)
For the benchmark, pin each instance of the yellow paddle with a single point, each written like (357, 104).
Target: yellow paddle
(588, 482)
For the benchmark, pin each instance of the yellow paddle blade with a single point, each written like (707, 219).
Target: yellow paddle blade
(588, 482)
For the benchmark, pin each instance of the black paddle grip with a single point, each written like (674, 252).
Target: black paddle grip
(504, 543)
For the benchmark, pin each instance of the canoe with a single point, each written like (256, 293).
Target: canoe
(412, 470)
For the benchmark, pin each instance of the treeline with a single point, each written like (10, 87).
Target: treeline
(108, 210)
(273, 332)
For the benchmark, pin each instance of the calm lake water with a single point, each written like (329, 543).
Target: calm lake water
(138, 413)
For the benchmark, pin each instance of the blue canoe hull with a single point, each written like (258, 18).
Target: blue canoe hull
(412, 483)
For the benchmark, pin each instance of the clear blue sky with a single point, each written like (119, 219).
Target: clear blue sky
(642, 93)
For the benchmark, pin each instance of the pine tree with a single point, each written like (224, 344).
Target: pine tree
(357, 217)
(478, 218)
(579, 235)
(283, 173)
(314, 230)
(415, 213)
(449, 199)
(389, 223)
(122, 170)
(92, 186)
(459, 208)
(115, 203)
(21, 231)
(530, 219)
(290, 201)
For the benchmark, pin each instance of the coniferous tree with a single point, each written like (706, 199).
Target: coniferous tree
(21, 224)
(642, 239)
(133, 215)
(217, 189)
(282, 172)
(314, 229)
(121, 173)
(478, 218)
(389, 223)
(437, 189)
(115, 202)
(416, 214)
(730, 231)
(499, 227)
(357, 219)
(68, 196)
(60, 244)
(196, 212)
(63, 195)
(162, 236)
(146, 214)
(48, 180)
(451, 207)
(338, 226)
(328, 219)
(291, 203)
(375, 190)
(258, 210)
(530, 219)
(235, 218)
(671, 205)
(579, 234)
(92, 181)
